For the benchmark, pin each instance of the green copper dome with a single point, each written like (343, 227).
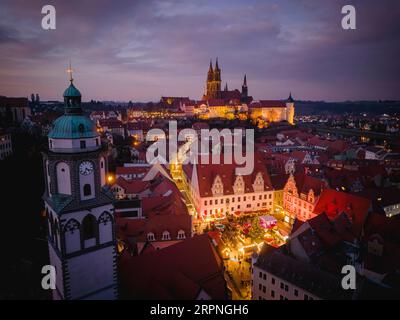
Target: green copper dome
(73, 127)
(73, 124)
(72, 91)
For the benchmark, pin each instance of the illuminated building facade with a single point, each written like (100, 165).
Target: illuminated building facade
(217, 191)
(273, 110)
(226, 103)
(301, 194)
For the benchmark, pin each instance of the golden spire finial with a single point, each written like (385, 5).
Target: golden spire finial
(69, 71)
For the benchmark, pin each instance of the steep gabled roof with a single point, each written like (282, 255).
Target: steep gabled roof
(176, 272)
(333, 203)
(206, 174)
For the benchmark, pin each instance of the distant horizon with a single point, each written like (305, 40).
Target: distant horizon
(158, 100)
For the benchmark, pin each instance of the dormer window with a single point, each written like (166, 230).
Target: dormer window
(181, 235)
(166, 235)
(150, 237)
(217, 188)
(258, 185)
(311, 196)
(81, 128)
(238, 186)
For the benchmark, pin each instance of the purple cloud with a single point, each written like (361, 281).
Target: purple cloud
(140, 50)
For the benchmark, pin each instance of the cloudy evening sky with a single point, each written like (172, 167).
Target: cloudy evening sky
(141, 50)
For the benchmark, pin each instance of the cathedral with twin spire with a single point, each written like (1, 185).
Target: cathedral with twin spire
(218, 103)
(213, 87)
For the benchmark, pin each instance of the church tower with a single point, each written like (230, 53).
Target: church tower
(290, 109)
(217, 80)
(79, 206)
(245, 93)
(213, 82)
(210, 78)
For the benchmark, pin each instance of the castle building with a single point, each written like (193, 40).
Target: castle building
(273, 110)
(79, 207)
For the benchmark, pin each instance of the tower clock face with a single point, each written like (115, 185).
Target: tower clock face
(86, 168)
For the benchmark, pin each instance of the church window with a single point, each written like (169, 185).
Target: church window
(89, 227)
(87, 190)
(83, 144)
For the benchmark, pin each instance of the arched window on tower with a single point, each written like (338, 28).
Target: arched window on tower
(89, 227)
(87, 190)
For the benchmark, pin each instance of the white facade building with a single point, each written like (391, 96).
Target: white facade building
(216, 190)
(79, 209)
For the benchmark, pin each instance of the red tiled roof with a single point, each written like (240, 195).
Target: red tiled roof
(316, 141)
(162, 213)
(338, 146)
(333, 203)
(304, 183)
(132, 170)
(279, 181)
(132, 187)
(206, 174)
(268, 104)
(328, 231)
(179, 271)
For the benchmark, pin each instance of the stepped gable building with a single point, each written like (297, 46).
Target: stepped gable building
(217, 191)
(301, 194)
